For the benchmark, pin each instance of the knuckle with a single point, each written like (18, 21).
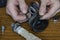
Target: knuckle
(15, 19)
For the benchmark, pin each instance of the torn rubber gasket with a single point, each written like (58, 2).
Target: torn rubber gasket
(36, 24)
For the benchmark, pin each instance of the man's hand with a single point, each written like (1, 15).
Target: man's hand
(14, 12)
(49, 8)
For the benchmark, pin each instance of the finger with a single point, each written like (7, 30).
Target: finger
(51, 12)
(42, 7)
(21, 17)
(57, 11)
(21, 21)
(18, 17)
(23, 6)
(7, 11)
(14, 14)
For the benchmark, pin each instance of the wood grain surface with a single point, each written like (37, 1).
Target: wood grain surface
(52, 32)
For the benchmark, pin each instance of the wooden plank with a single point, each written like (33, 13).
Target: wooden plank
(52, 32)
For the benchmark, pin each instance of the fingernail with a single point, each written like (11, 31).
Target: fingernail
(24, 11)
(41, 13)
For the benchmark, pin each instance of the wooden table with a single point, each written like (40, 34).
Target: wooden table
(52, 32)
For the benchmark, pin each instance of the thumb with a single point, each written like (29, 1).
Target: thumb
(23, 6)
(52, 12)
(42, 9)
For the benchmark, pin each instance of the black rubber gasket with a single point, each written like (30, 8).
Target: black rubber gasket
(36, 24)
